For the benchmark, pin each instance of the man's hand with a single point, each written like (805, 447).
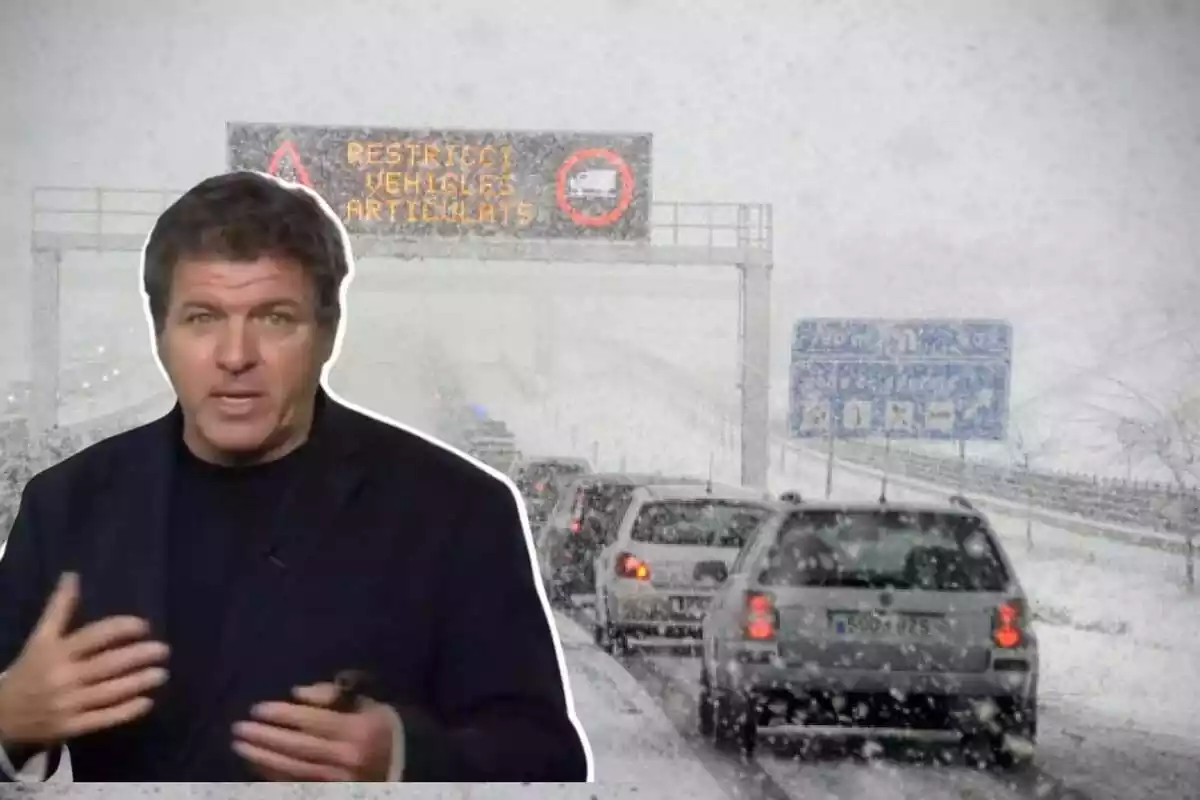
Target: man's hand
(306, 741)
(65, 685)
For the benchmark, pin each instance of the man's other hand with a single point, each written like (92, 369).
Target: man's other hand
(63, 685)
(306, 741)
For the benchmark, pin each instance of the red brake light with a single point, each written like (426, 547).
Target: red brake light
(539, 486)
(762, 620)
(630, 566)
(576, 525)
(1006, 630)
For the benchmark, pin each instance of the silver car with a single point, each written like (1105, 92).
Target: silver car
(671, 551)
(879, 621)
(539, 479)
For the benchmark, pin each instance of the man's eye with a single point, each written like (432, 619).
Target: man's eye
(200, 317)
(278, 319)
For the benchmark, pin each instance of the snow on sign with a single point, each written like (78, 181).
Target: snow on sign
(457, 183)
(908, 379)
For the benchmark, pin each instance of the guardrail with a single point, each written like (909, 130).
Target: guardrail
(1160, 507)
(97, 211)
(1156, 507)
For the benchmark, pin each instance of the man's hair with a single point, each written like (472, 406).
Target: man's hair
(241, 217)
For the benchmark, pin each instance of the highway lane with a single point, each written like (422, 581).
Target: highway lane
(594, 411)
(1116, 635)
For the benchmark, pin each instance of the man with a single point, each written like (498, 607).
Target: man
(176, 600)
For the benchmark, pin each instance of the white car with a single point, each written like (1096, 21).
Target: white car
(672, 550)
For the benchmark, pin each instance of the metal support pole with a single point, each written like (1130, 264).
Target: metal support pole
(829, 460)
(45, 341)
(756, 363)
(962, 466)
(887, 466)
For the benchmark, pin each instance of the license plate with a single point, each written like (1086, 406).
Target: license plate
(689, 605)
(886, 624)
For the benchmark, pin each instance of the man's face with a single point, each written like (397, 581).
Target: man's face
(244, 352)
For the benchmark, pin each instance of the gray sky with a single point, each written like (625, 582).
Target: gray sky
(1037, 159)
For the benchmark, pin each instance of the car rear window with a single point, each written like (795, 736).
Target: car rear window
(544, 474)
(932, 551)
(603, 505)
(703, 523)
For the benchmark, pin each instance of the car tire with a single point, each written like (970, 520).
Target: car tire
(736, 723)
(723, 719)
(599, 637)
(558, 597)
(609, 637)
(748, 727)
(602, 634)
(706, 711)
(990, 751)
(706, 715)
(1023, 726)
(1008, 761)
(620, 640)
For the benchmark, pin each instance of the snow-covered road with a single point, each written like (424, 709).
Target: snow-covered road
(1118, 634)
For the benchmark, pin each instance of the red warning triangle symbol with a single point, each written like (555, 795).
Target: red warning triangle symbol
(285, 163)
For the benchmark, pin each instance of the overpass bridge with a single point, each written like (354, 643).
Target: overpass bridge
(685, 235)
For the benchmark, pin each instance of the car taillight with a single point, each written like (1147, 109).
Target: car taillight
(1007, 624)
(630, 566)
(762, 620)
(539, 487)
(576, 525)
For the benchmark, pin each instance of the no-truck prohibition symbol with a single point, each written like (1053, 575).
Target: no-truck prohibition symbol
(624, 192)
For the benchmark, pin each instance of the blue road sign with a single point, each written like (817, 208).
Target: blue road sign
(910, 379)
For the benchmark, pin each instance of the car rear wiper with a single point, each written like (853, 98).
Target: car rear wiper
(850, 580)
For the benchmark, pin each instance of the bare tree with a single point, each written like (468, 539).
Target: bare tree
(1138, 440)
(1029, 442)
(1169, 433)
(1167, 430)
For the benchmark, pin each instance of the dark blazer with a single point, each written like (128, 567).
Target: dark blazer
(393, 555)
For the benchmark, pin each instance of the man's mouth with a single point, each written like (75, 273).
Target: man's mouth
(236, 400)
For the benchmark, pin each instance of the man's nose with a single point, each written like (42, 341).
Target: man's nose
(237, 350)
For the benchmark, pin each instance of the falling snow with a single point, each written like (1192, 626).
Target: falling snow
(983, 248)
